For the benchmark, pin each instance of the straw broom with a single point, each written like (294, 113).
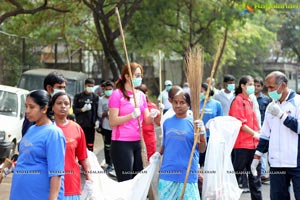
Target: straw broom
(196, 103)
(194, 78)
(144, 151)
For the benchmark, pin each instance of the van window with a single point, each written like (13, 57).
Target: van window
(8, 103)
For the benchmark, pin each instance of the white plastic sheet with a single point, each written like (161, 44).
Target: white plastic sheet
(219, 181)
(107, 189)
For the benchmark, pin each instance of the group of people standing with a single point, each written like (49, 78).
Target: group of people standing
(269, 128)
(53, 145)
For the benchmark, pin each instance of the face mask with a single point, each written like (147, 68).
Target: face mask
(168, 87)
(275, 95)
(202, 96)
(108, 92)
(230, 87)
(89, 89)
(137, 81)
(250, 89)
(55, 91)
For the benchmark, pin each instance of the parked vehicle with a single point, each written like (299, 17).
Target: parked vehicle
(33, 79)
(12, 112)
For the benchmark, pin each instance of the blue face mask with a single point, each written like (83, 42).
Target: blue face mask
(275, 95)
(168, 87)
(202, 96)
(250, 89)
(137, 81)
(108, 92)
(231, 87)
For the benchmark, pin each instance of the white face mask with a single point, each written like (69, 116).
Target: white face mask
(55, 91)
(89, 89)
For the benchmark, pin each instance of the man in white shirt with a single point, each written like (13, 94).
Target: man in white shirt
(163, 98)
(226, 95)
(280, 137)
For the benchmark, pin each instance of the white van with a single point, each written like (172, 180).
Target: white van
(12, 112)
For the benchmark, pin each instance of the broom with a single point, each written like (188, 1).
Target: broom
(196, 103)
(144, 151)
(194, 78)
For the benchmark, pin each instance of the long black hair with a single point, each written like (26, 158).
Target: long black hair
(243, 80)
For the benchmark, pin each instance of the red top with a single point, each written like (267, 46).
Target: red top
(242, 109)
(149, 133)
(75, 148)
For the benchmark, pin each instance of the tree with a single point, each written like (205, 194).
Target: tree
(107, 27)
(176, 26)
(289, 36)
(13, 8)
(247, 49)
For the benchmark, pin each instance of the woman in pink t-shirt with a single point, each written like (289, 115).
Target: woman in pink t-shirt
(123, 117)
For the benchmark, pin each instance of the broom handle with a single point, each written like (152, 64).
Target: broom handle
(160, 92)
(133, 89)
(201, 116)
(160, 80)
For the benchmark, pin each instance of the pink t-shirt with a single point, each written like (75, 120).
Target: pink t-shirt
(129, 131)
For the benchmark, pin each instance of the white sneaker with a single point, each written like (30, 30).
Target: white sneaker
(112, 173)
(103, 164)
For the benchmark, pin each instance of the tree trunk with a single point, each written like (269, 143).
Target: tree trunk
(104, 22)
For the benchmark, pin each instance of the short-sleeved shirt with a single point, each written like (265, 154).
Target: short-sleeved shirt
(103, 107)
(213, 108)
(41, 156)
(128, 131)
(164, 97)
(76, 148)
(178, 142)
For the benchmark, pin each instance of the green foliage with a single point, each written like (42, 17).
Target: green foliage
(171, 26)
(248, 47)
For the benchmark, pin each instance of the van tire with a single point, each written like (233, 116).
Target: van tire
(13, 149)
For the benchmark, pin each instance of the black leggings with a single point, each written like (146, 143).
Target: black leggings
(127, 159)
(107, 141)
(242, 159)
(89, 133)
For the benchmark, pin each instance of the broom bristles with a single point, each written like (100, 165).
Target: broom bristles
(194, 78)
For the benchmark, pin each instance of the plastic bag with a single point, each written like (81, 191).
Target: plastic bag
(104, 188)
(219, 181)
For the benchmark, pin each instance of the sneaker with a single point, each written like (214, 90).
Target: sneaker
(265, 179)
(245, 190)
(112, 173)
(103, 164)
(109, 168)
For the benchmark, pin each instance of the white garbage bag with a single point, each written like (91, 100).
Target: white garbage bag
(219, 181)
(104, 188)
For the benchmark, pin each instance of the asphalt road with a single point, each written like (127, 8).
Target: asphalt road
(5, 185)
